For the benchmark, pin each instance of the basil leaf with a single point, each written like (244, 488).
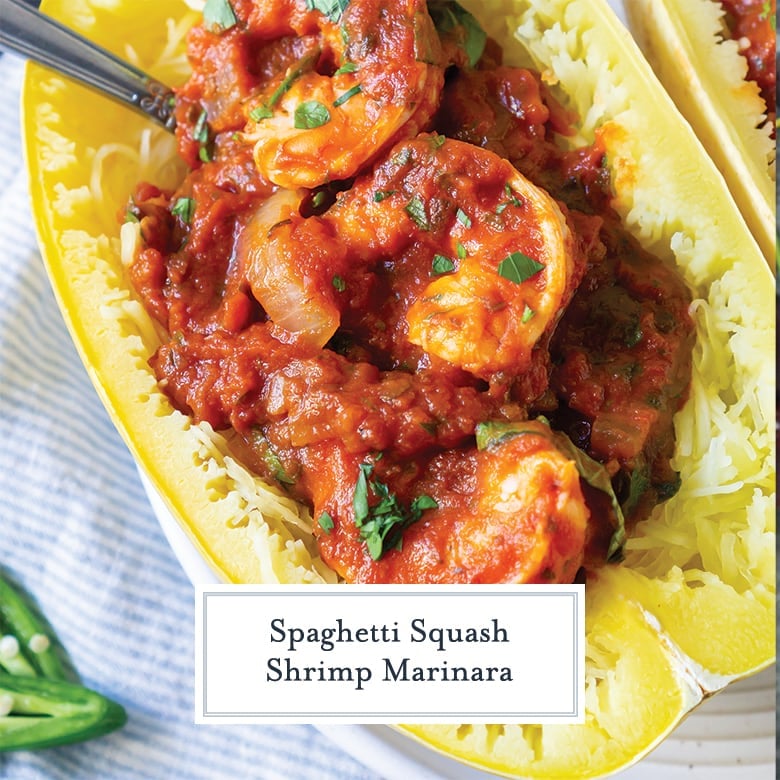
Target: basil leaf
(311, 114)
(518, 267)
(219, 15)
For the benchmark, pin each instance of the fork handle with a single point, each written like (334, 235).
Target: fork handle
(31, 34)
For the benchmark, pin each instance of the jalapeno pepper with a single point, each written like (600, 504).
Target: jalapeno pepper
(43, 713)
(39, 707)
(36, 654)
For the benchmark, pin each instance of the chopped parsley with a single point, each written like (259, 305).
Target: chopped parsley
(404, 157)
(518, 267)
(201, 130)
(347, 67)
(461, 250)
(528, 313)
(513, 199)
(415, 208)
(263, 448)
(219, 15)
(310, 114)
(766, 13)
(380, 195)
(382, 524)
(326, 522)
(351, 92)
(633, 334)
(442, 265)
(338, 283)
(449, 17)
(333, 9)
(184, 208)
(200, 133)
(265, 110)
(463, 218)
(132, 212)
(260, 112)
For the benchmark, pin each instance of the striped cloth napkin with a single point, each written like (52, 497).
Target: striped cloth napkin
(77, 531)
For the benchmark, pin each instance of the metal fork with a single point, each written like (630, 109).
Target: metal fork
(31, 34)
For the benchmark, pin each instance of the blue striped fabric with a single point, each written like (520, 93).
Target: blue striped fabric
(77, 532)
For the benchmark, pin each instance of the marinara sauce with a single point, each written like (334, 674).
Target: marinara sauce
(610, 376)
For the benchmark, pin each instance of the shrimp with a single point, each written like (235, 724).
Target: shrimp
(494, 259)
(309, 127)
(513, 512)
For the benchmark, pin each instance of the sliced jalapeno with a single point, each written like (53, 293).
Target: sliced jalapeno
(42, 713)
(36, 653)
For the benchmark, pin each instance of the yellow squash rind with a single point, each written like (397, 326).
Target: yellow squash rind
(705, 75)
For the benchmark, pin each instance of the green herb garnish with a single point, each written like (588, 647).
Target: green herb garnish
(219, 15)
(494, 434)
(463, 218)
(513, 199)
(338, 283)
(184, 208)
(528, 313)
(351, 92)
(333, 9)
(326, 522)
(415, 208)
(200, 132)
(442, 265)
(260, 112)
(311, 114)
(347, 67)
(518, 267)
(292, 75)
(380, 195)
(449, 17)
(382, 524)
